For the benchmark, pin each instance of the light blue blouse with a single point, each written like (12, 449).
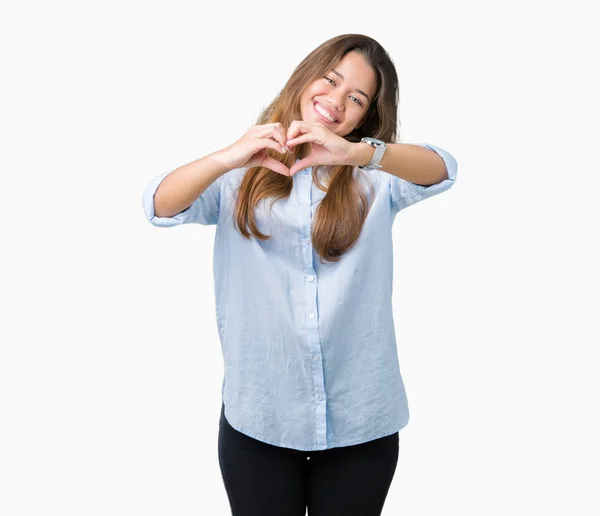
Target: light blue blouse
(309, 349)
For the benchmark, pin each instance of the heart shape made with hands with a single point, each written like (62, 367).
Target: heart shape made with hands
(326, 147)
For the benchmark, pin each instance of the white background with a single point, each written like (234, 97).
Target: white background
(111, 367)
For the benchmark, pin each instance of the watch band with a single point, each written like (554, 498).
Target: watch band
(380, 147)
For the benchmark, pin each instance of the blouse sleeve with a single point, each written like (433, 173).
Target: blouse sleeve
(403, 193)
(204, 210)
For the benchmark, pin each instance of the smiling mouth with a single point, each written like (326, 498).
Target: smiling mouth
(322, 117)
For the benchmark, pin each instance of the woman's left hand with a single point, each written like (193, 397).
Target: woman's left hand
(327, 148)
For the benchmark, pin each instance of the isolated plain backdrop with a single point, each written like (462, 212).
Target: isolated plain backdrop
(110, 364)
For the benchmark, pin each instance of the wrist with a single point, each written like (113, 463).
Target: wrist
(221, 159)
(361, 154)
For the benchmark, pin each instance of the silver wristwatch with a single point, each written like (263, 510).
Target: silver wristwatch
(380, 147)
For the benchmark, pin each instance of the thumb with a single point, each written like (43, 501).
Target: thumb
(301, 165)
(276, 166)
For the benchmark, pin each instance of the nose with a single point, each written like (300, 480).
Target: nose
(336, 101)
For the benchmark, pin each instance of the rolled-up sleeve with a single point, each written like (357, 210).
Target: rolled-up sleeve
(204, 210)
(404, 193)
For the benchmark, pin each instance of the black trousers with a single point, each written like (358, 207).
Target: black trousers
(266, 480)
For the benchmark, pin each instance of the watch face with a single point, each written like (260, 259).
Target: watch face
(373, 141)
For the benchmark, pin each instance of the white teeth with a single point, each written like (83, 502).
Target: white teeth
(324, 113)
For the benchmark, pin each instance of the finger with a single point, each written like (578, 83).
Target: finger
(272, 144)
(275, 132)
(295, 128)
(275, 166)
(301, 165)
(280, 135)
(308, 137)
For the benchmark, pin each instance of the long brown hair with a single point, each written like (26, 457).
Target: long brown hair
(342, 212)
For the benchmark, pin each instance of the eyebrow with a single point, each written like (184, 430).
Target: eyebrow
(357, 90)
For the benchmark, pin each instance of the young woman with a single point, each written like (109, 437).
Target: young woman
(304, 202)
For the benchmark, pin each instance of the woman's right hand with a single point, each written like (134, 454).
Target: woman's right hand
(251, 149)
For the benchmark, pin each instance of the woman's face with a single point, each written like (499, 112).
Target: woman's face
(338, 93)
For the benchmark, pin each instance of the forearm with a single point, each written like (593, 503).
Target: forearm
(185, 184)
(413, 163)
